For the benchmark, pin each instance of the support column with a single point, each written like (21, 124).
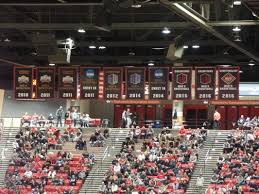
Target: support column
(178, 107)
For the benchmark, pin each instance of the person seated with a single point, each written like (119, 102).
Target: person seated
(80, 144)
(41, 121)
(51, 119)
(150, 132)
(143, 133)
(106, 133)
(71, 131)
(26, 118)
(241, 121)
(34, 119)
(72, 180)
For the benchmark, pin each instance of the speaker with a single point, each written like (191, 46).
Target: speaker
(174, 52)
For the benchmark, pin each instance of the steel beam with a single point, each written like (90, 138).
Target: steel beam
(185, 13)
(121, 43)
(122, 26)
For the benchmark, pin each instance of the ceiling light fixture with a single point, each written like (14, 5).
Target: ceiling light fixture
(195, 46)
(81, 30)
(237, 38)
(237, 3)
(236, 29)
(240, 71)
(136, 6)
(185, 46)
(151, 63)
(92, 47)
(251, 63)
(166, 31)
(158, 48)
(131, 53)
(52, 64)
(102, 47)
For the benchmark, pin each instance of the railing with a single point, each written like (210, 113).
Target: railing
(100, 165)
(205, 161)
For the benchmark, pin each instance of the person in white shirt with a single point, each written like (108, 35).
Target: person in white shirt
(28, 174)
(74, 117)
(117, 168)
(199, 183)
(141, 157)
(114, 187)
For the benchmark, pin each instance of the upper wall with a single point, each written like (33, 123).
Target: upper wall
(16, 108)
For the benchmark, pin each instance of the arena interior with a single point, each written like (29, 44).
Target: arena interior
(129, 97)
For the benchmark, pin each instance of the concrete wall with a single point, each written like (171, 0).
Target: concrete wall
(16, 108)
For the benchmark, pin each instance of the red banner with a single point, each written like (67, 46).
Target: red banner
(135, 83)
(228, 82)
(22, 85)
(205, 83)
(182, 83)
(67, 82)
(112, 83)
(158, 83)
(89, 82)
(45, 87)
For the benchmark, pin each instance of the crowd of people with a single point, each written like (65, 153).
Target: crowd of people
(34, 169)
(237, 169)
(247, 122)
(60, 118)
(164, 164)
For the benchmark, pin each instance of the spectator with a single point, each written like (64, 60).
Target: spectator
(59, 114)
(199, 183)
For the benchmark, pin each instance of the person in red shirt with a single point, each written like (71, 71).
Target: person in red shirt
(26, 118)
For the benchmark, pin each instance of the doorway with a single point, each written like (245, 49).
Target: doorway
(195, 115)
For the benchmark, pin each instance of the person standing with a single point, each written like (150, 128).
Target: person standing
(74, 117)
(128, 118)
(216, 120)
(123, 119)
(199, 183)
(59, 114)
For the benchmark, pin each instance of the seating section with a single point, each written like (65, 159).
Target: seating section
(164, 164)
(34, 169)
(238, 168)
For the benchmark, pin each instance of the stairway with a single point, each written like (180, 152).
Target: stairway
(211, 149)
(6, 150)
(104, 160)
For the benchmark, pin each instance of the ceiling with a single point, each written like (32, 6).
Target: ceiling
(130, 34)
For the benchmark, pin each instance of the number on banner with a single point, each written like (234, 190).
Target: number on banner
(228, 96)
(112, 96)
(44, 95)
(181, 96)
(135, 95)
(23, 95)
(67, 95)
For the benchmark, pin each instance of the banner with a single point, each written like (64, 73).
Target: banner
(23, 82)
(45, 86)
(112, 83)
(228, 81)
(205, 83)
(67, 82)
(89, 82)
(135, 83)
(182, 83)
(158, 83)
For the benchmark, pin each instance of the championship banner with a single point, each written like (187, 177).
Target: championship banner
(228, 81)
(112, 83)
(45, 86)
(205, 83)
(89, 82)
(158, 83)
(135, 83)
(22, 85)
(182, 83)
(67, 82)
